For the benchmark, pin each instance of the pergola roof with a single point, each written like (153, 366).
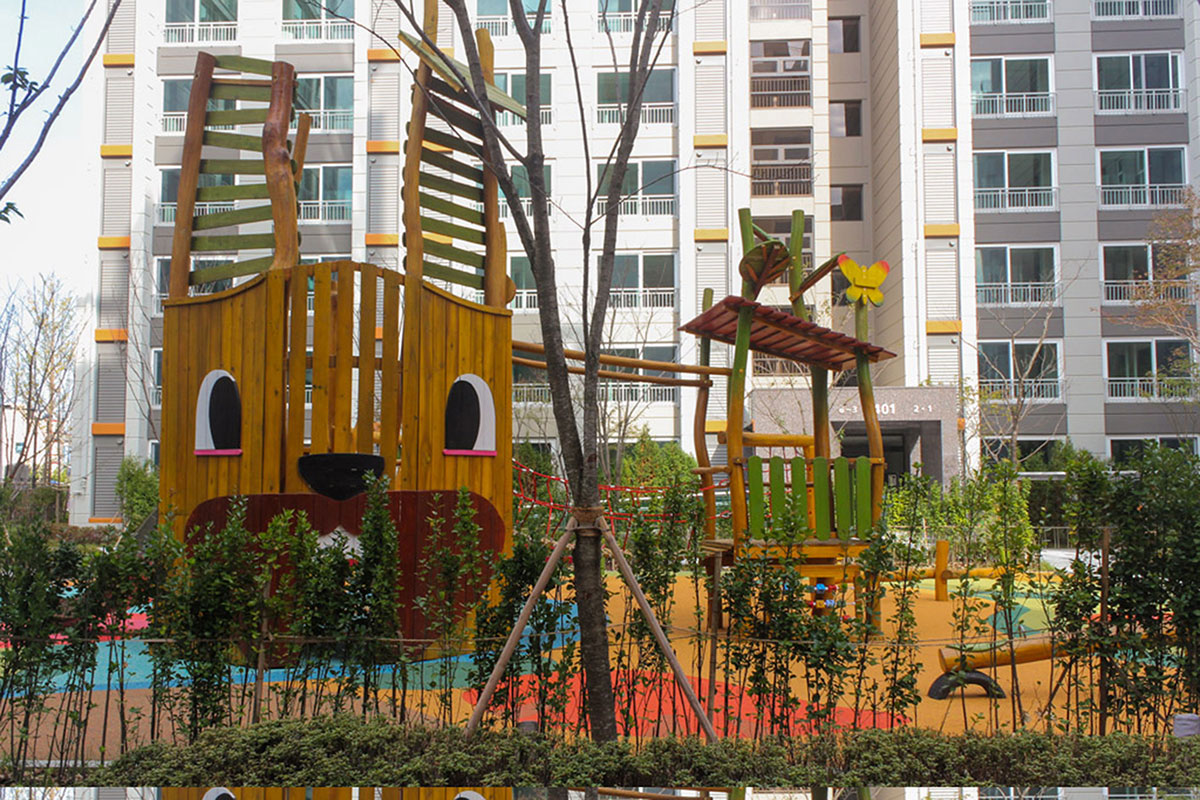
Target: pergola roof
(779, 334)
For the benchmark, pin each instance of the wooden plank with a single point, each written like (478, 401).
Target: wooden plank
(443, 206)
(800, 490)
(456, 118)
(447, 251)
(322, 324)
(841, 497)
(297, 366)
(274, 371)
(366, 359)
(189, 176)
(431, 225)
(232, 166)
(821, 498)
(233, 141)
(778, 492)
(389, 391)
(240, 116)
(452, 165)
(455, 143)
(233, 241)
(231, 269)
(243, 191)
(238, 216)
(862, 497)
(443, 273)
(254, 314)
(754, 479)
(257, 66)
(343, 372)
(227, 91)
(472, 193)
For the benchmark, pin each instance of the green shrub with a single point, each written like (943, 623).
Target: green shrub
(137, 488)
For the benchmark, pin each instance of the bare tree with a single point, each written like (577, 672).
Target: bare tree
(24, 93)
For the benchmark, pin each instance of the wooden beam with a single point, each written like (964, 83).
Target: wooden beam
(189, 175)
(632, 377)
(622, 361)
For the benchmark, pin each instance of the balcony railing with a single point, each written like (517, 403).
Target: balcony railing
(1151, 387)
(324, 210)
(524, 300)
(1153, 291)
(766, 366)
(613, 392)
(501, 25)
(329, 119)
(1029, 389)
(650, 205)
(156, 396)
(1002, 12)
(782, 92)
(642, 298)
(199, 32)
(528, 393)
(1024, 294)
(176, 122)
(1140, 101)
(1135, 9)
(1153, 196)
(767, 180)
(508, 119)
(1031, 104)
(1025, 198)
(166, 211)
(310, 30)
(624, 21)
(308, 395)
(780, 9)
(652, 114)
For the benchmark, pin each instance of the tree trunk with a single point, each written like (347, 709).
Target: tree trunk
(590, 596)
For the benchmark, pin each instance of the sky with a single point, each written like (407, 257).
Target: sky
(59, 193)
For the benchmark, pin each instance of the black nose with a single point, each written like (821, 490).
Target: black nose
(339, 476)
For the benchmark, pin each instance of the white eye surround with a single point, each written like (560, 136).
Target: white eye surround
(218, 416)
(467, 794)
(218, 793)
(470, 418)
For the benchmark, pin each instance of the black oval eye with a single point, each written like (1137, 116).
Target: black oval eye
(462, 416)
(225, 415)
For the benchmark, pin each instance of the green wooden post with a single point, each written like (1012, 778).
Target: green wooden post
(800, 489)
(821, 497)
(862, 496)
(737, 388)
(757, 512)
(841, 495)
(778, 492)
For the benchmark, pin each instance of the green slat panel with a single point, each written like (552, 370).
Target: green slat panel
(233, 241)
(238, 216)
(453, 253)
(842, 500)
(233, 166)
(452, 209)
(862, 496)
(778, 492)
(226, 91)
(821, 497)
(243, 64)
(450, 164)
(236, 141)
(240, 116)
(243, 191)
(457, 74)
(451, 187)
(800, 488)
(754, 481)
(430, 225)
(453, 142)
(443, 273)
(438, 86)
(232, 269)
(456, 118)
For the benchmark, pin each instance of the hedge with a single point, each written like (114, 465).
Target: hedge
(345, 751)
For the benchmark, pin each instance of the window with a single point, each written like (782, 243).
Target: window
(325, 194)
(1015, 275)
(156, 369)
(1152, 177)
(176, 92)
(328, 19)
(643, 280)
(781, 228)
(191, 21)
(1145, 272)
(846, 203)
(526, 298)
(169, 194)
(1011, 87)
(781, 161)
(153, 452)
(328, 99)
(658, 97)
(622, 392)
(1158, 368)
(1014, 181)
(493, 15)
(1123, 452)
(520, 178)
(845, 118)
(843, 35)
(1019, 370)
(619, 16)
(1139, 83)
(648, 188)
(163, 277)
(781, 73)
(162, 282)
(515, 84)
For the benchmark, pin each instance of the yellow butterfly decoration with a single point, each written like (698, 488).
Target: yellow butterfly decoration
(864, 283)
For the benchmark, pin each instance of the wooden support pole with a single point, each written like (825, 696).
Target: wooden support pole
(700, 439)
(623, 361)
(941, 564)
